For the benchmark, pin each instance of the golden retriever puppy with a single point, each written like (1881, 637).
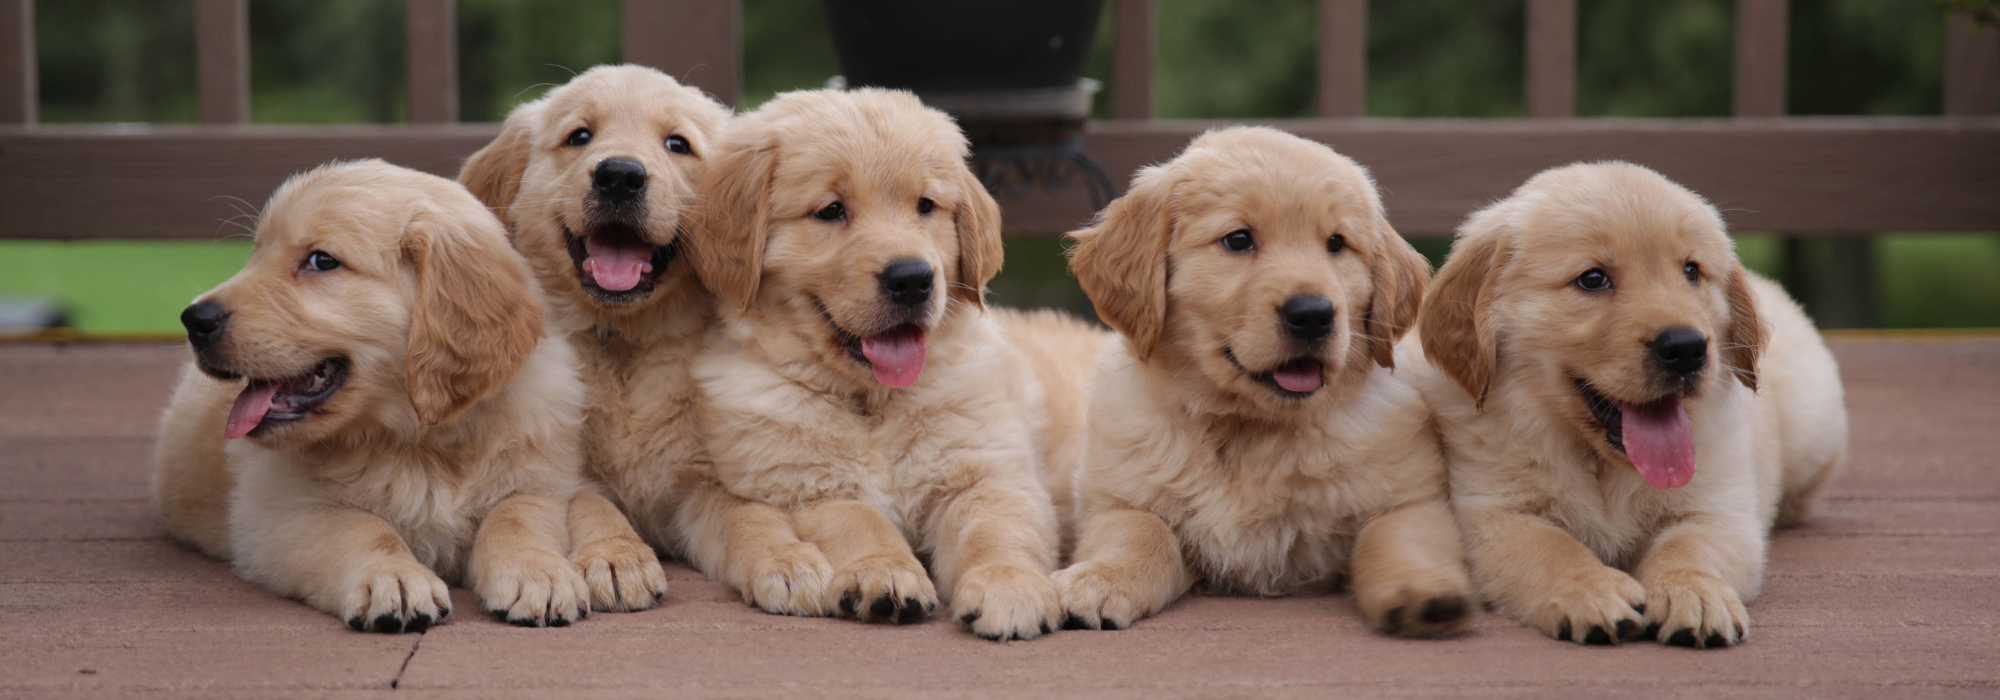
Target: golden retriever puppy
(1617, 394)
(860, 383)
(596, 182)
(1249, 435)
(375, 398)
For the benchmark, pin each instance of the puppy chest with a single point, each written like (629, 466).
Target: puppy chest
(1267, 543)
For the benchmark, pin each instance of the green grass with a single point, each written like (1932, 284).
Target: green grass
(119, 286)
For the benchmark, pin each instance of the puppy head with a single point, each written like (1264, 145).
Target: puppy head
(596, 180)
(1617, 296)
(1260, 260)
(374, 295)
(848, 223)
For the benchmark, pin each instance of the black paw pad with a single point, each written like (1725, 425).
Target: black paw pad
(358, 624)
(1563, 634)
(1392, 621)
(1682, 638)
(442, 614)
(990, 637)
(524, 622)
(1627, 629)
(388, 624)
(1442, 610)
(883, 608)
(1045, 628)
(969, 616)
(1652, 631)
(419, 623)
(1715, 640)
(847, 603)
(1110, 625)
(1640, 608)
(1597, 636)
(912, 611)
(1075, 623)
(558, 622)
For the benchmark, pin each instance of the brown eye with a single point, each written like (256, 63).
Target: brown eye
(578, 138)
(677, 144)
(320, 261)
(1693, 272)
(1238, 241)
(1593, 280)
(925, 205)
(831, 212)
(1336, 244)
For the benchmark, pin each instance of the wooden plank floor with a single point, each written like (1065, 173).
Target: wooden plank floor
(1894, 591)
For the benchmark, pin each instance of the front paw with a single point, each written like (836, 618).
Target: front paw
(1098, 596)
(1432, 608)
(1693, 609)
(792, 580)
(533, 589)
(393, 595)
(1002, 602)
(1600, 605)
(622, 573)
(884, 588)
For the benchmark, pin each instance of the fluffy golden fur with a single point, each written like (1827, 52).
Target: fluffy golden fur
(642, 442)
(1562, 530)
(421, 427)
(817, 196)
(1202, 469)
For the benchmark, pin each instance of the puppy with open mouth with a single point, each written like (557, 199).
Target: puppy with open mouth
(859, 381)
(375, 409)
(1627, 410)
(1250, 434)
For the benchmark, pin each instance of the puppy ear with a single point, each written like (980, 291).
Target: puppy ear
(494, 173)
(1744, 341)
(979, 250)
(475, 319)
(727, 248)
(1457, 322)
(1400, 273)
(1121, 260)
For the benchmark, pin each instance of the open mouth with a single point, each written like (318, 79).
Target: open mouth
(1655, 435)
(1295, 378)
(896, 355)
(616, 264)
(268, 402)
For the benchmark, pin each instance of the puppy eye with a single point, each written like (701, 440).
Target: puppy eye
(319, 261)
(925, 205)
(1593, 280)
(831, 212)
(679, 145)
(578, 138)
(1238, 241)
(1693, 272)
(1336, 244)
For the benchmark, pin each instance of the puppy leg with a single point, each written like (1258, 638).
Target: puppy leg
(623, 572)
(1409, 575)
(342, 561)
(518, 568)
(1536, 573)
(1697, 577)
(1127, 566)
(876, 578)
(752, 548)
(993, 548)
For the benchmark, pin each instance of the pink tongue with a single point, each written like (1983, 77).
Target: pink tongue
(614, 267)
(897, 356)
(251, 405)
(1299, 376)
(1659, 441)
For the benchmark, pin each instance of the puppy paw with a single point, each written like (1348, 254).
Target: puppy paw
(1595, 606)
(1001, 603)
(1419, 608)
(533, 589)
(393, 595)
(1691, 609)
(884, 588)
(622, 573)
(793, 580)
(1096, 596)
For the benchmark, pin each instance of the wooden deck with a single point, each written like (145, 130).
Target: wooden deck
(1894, 591)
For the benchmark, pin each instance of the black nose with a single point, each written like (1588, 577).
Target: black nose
(618, 180)
(204, 322)
(1307, 318)
(907, 282)
(1681, 351)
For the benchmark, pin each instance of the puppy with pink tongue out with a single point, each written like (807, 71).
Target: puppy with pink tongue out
(1626, 410)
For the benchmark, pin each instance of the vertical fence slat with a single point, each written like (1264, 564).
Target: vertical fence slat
(1551, 59)
(431, 27)
(222, 60)
(1761, 40)
(17, 62)
(1971, 68)
(1132, 59)
(696, 41)
(1343, 58)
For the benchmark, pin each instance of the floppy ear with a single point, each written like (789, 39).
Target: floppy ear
(494, 173)
(475, 319)
(727, 245)
(1400, 273)
(1457, 321)
(979, 250)
(1121, 260)
(1745, 338)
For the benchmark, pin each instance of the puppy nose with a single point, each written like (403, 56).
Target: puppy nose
(1307, 318)
(907, 282)
(618, 180)
(1680, 350)
(203, 320)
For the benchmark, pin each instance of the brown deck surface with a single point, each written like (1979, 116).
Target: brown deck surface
(1894, 590)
